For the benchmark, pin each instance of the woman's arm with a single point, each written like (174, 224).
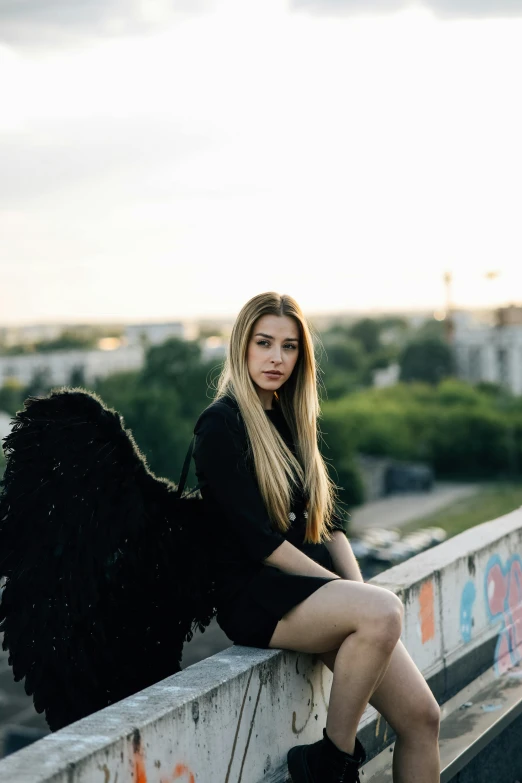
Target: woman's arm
(343, 557)
(289, 558)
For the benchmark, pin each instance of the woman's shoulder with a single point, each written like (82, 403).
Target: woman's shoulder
(222, 414)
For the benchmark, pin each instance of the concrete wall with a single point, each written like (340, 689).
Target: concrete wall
(232, 717)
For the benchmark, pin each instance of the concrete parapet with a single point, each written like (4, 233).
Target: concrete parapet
(233, 716)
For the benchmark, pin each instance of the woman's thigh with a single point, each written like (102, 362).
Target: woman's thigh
(323, 620)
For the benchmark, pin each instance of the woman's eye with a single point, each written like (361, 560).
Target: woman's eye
(288, 345)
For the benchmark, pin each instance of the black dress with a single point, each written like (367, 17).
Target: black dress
(251, 596)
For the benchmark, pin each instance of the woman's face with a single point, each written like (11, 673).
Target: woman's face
(274, 346)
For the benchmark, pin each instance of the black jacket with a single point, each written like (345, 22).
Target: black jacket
(243, 535)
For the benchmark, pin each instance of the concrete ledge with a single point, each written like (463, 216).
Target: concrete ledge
(232, 717)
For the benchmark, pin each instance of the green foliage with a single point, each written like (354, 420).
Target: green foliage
(154, 415)
(432, 328)
(470, 442)
(77, 376)
(367, 331)
(456, 427)
(67, 341)
(350, 485)
(343, 353)
(39, 384)
(161, 403)
(11, 396)
(426, 359)
(455, 392)
(176, 365)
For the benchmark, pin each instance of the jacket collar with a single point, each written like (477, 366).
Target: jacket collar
(232, 402)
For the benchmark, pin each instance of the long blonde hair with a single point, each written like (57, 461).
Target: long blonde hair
(276, 468)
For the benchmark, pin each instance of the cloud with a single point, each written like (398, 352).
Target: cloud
(39, 165)
(39, 24)
(443, 8)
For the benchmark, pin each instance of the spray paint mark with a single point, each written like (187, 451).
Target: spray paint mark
(427, 612)
(138, 760)
(503, 595)
(466, 611)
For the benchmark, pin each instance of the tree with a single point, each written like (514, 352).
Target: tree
(426, 359)
(40, 383)
(343, 353)
(176, 366)
(11, 396)
(367, 332)
(77, 376)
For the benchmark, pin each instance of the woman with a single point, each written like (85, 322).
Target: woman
(285, 572)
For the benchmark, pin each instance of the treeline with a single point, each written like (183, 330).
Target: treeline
(160, 403)
(464, 431)
(76, 339)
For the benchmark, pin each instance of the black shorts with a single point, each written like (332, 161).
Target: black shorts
(251, 617)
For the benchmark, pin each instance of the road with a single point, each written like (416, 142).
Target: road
(398, 510)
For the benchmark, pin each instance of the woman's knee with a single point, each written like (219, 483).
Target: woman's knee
(385, 626)
(429, 716)
(423, 717)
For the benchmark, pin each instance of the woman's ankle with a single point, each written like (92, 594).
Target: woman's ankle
(346, 745)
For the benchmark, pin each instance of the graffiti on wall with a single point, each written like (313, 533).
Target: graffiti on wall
(427, 611)
(467, 600)
(503, 597)
(141, 769)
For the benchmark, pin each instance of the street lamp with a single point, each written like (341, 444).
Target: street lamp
(448, 321)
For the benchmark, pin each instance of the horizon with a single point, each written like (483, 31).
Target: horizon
(370, 313)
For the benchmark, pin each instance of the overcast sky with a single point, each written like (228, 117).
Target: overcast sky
(165, 159)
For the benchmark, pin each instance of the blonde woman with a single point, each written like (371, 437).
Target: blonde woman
(285, 572)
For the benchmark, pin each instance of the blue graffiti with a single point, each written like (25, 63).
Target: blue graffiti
(503, 595)
(466, 611)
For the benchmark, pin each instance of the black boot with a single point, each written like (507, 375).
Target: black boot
(324, 762)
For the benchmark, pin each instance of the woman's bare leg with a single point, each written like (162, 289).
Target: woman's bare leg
(405, 701)
(366, 621)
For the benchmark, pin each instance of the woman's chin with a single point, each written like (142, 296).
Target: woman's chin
(270, 384)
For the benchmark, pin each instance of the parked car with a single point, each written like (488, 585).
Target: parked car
(408, 477)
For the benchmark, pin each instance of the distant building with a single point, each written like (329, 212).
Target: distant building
(153, 334)
(509, 316)
(386, 376)
(213, 348)
(17, 335)
(491, 353)
(59, 364)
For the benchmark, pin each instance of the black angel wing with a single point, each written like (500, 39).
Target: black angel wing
(105, 568)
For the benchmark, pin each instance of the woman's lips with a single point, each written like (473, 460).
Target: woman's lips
(274, 374)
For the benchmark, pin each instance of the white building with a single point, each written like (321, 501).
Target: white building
(490, 353)
(386, 376)
(16, 335)
(59, 364)
(153, 334)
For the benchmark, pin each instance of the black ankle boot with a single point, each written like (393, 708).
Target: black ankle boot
(324, 762)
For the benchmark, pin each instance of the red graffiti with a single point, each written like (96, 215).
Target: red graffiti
(504, 600)
(180, 772)
(140, 774)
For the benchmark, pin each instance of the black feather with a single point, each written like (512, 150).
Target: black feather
(106, 570)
